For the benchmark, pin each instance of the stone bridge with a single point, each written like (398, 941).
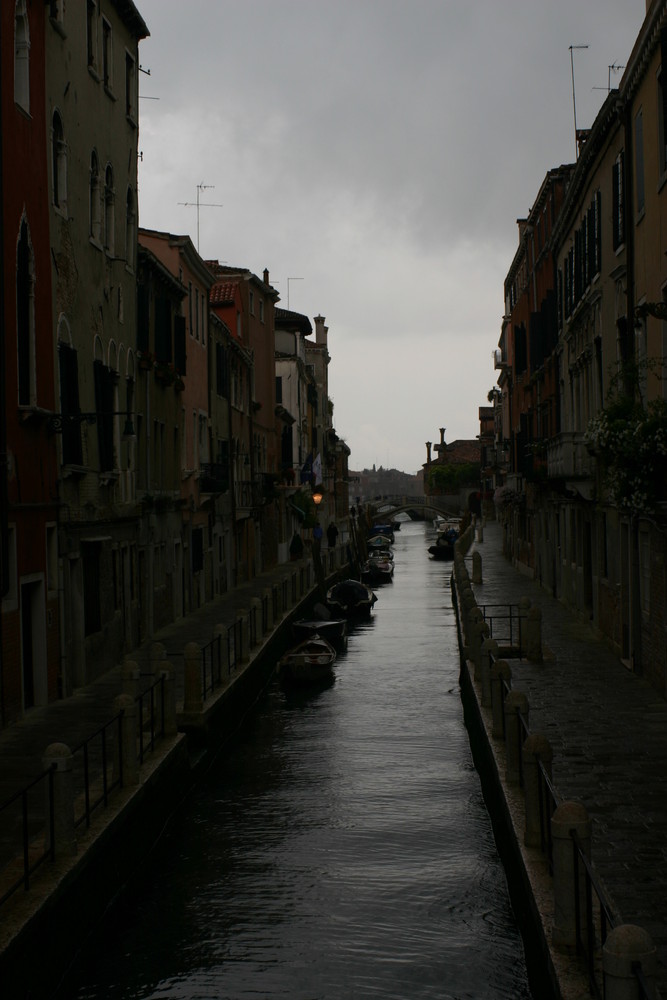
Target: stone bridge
(420, 506)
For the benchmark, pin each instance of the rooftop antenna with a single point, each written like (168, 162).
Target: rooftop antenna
(574, 103)
(613, 68)
(201, 204)
(288, 281)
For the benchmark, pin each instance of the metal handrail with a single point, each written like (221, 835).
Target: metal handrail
(31, 859)
(509, 613)
(107, 780)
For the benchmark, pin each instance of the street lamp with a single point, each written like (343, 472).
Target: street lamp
(317, 497)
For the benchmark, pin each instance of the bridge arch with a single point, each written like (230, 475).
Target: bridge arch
(434, 505)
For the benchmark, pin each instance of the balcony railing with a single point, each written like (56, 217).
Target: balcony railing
(213, 477)
(567, 456)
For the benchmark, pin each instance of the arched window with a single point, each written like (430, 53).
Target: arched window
(25, 318)
(95, 208)
(21, 56)
(59, 163)
(130, 230)
(108, 209)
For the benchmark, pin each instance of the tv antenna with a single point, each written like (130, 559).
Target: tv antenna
(612, 68)
(574, 103)
(201, 204)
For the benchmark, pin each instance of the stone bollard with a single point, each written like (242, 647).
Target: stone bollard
(158, 656)
(536, 750)
(500, 671)
(534, 635)
(170, 724)
(524, 607)
(58, 757)
(479, 531)
(193, 697)
(516, 704)
(243, 654)
(569, 817)
(126, 764)
(256, 612)
(476, 567)
(625, 947)
(489, 653)
(130, 674)
(223, 650)
(267, 598)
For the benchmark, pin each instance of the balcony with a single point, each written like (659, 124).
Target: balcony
(213, 477)
(568, 457)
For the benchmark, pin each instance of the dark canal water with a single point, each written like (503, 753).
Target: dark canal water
(341, 849)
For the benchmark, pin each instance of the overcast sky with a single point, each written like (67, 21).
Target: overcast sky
(374, 155)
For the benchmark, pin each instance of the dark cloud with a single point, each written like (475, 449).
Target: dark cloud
(381, 151)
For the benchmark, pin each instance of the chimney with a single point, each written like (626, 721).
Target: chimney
(321, 332)
(266, 276)
(442, 436)
(428, 452)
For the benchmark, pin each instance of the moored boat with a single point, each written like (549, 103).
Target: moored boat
(445, 540)
(310, 662)
(379, 567)
(351, 599)
(334, 630)
(378, 542)
(383, 529)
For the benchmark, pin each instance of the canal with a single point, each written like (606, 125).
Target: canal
(340, 848)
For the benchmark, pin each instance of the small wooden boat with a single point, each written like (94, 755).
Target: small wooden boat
(383, 529)
(379, 567)
(334, 630)
(378, 542)
(445, 540)
(311, 662)
(351, 599)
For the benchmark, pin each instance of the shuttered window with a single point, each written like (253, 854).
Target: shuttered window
(69, 404)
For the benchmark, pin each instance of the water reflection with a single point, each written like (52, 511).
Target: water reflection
(342, 848)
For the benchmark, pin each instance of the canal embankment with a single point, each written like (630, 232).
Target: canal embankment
(175, 703)
(571, 749)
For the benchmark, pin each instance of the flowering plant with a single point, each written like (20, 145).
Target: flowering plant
(506, 497)
(630, 443)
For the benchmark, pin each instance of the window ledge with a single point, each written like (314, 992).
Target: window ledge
(73, 471)
(28, 414)
(94, 74)
(109, 478)
(109, 92)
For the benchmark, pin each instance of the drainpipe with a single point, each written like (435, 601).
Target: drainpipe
(634, 613)
(4, 521)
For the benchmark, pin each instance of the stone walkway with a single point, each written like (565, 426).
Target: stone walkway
(608, 731)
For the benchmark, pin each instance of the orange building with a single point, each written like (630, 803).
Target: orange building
(30, 647)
